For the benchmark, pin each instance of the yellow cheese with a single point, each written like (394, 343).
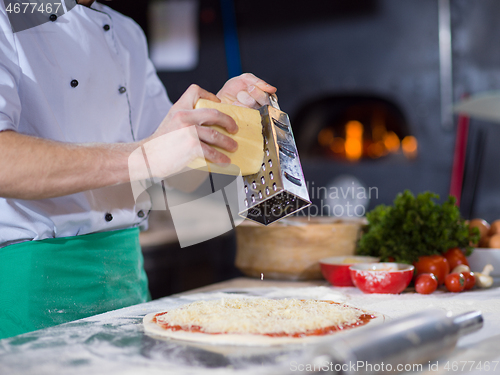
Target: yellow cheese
(250, 154)
(260, 315)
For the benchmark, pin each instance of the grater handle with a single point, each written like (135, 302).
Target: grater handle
(273, 99)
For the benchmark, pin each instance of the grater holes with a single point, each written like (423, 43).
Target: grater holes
(263, 166)
(267, 190)
(270, 162)
(246, 202)
(266, 141)
(260, 194)
(254, 185)
(281, 125)
(275, 187)
(286, 151)
(267, 151)
(293, 179)
(263, 180)
(271, 175)
(246, 188)
(253, 198)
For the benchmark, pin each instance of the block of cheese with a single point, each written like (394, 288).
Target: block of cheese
(250, 153)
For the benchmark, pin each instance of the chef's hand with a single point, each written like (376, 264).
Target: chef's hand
(170, 154)
(246, 90)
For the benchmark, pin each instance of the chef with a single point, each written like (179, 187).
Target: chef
(78, 95)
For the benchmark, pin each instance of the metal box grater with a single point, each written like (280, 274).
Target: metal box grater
(279, 188)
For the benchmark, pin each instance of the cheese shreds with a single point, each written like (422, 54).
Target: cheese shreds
(260, 316)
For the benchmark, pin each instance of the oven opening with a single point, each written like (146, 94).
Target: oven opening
(352, 128)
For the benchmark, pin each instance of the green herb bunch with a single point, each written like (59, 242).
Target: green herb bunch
(414, 227)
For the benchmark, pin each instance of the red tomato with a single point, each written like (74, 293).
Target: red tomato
(455, 282)
(455, 257)
(435, 264)
(470, 280)
(426, 283)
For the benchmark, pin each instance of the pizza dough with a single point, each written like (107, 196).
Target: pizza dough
(250, 153)
(256, 321)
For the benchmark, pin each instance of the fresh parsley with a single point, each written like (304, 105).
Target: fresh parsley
(413, 227)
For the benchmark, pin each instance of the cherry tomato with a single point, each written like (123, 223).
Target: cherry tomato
(455, 282)
(426, 283)
(455, 257)
(435, 264)
(470, 280)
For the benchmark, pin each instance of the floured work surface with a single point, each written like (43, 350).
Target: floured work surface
(251, 321)
(115, 342)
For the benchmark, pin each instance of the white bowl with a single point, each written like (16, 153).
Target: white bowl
(482, 256)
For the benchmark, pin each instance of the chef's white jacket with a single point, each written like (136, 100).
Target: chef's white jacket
(82, 77)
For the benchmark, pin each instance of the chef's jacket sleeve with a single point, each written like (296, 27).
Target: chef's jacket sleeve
(10, 72)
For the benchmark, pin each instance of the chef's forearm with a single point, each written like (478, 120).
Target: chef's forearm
(34, 168)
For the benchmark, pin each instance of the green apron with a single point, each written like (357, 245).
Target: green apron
(53, 281)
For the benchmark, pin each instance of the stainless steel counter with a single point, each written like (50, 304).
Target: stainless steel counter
(114, 343)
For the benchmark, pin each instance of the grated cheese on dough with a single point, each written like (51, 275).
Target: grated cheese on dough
(260, 315)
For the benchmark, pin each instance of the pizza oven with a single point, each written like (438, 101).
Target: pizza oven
(351, 132)
(352, 128)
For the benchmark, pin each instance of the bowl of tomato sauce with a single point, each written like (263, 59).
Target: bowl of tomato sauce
(388, 278)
